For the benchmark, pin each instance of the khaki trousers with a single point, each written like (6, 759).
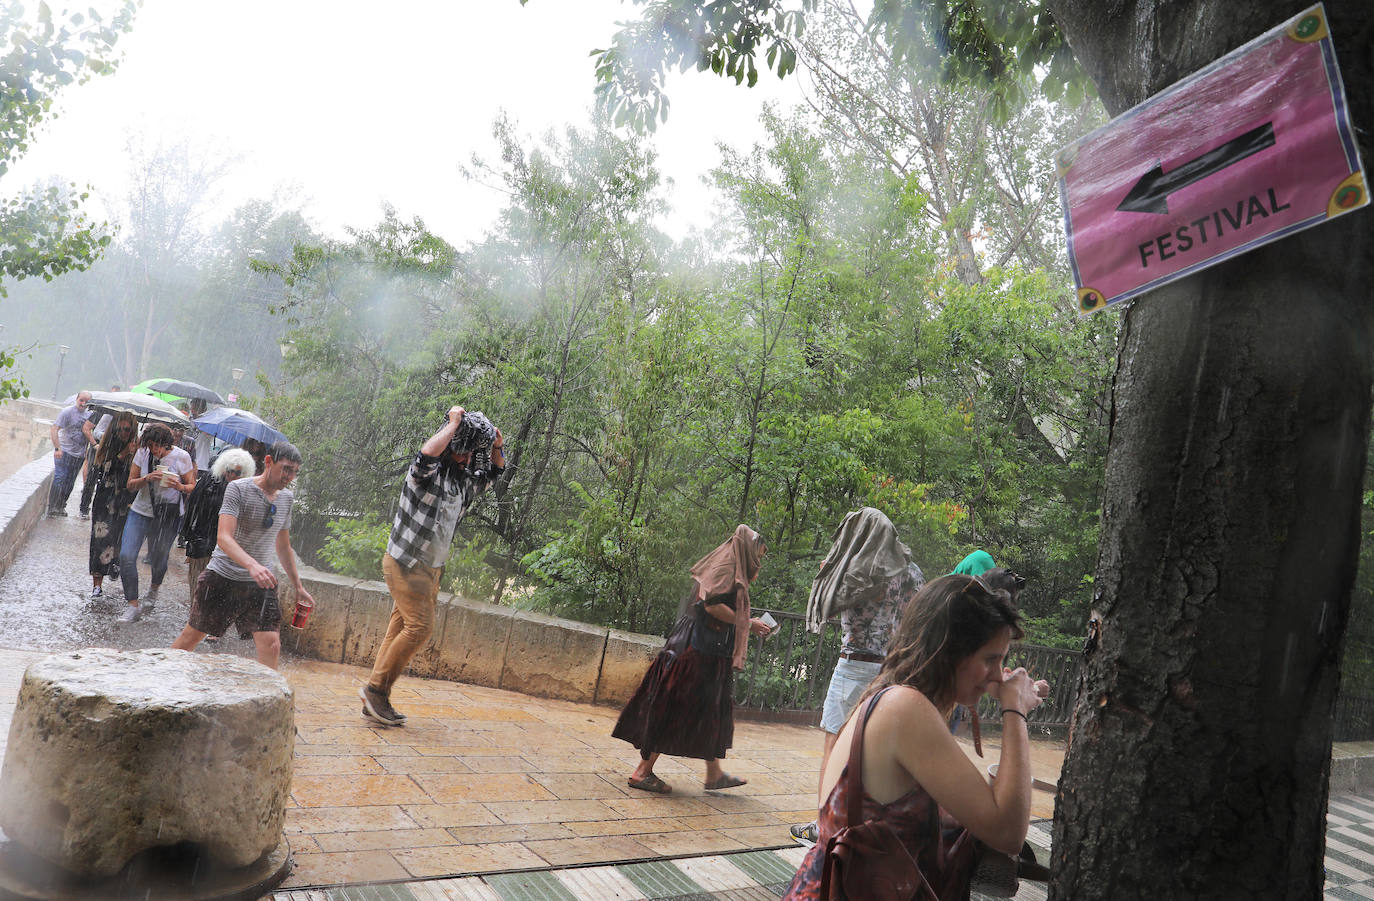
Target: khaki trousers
(414, 592)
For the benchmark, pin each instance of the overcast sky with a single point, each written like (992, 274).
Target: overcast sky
(359, 103)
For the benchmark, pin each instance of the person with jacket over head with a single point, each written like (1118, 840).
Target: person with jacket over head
(453, 466)
(684, 706)
(867, 579)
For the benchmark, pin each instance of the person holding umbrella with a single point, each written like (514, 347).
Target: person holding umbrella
(161, 474)
(110, 473)
(200, 526)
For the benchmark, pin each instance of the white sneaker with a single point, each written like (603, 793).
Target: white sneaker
(150, 600)
(131, 614)
(96, 592)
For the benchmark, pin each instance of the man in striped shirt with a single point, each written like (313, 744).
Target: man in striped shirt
(450, 470)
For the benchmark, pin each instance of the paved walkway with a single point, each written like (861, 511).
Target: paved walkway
(492, 795)
(478, 781)
(482, 780)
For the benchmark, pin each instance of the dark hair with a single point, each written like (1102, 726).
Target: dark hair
(948, 620)
(284, 452)
(110, 443)
(155, 433)
(1003, 579)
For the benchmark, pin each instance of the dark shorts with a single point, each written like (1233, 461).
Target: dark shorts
(219, 601)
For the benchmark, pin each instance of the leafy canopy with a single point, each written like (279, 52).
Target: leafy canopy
(43, 232)
(987, 43)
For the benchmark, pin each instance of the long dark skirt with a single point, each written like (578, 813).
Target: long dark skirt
(684, 707)
(108, 512)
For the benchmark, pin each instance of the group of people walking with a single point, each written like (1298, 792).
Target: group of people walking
(914, 653)
(232, 514)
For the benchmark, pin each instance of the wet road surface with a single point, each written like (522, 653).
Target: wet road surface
(46, 604)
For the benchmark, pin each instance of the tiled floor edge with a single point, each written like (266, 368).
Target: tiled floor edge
(482, 874)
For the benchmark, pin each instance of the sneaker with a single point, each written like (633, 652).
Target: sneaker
(97, 592)
(85, 514)
(377, 707)
(804, 833)
(150, 600)
(131, 614)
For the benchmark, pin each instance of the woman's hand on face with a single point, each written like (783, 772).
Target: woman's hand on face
(1017, 691)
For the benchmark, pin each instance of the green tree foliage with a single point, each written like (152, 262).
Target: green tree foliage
(996, 46)
(822, 354)
(196, 312)
(43, 232)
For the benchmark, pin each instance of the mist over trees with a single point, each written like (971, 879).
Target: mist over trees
(44, 230)
(822, 348)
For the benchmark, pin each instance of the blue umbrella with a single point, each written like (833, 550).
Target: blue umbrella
(235, 426)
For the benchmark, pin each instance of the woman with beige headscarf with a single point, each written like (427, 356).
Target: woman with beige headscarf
(684, 706)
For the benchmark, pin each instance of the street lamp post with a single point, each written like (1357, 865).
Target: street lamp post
(61, 358)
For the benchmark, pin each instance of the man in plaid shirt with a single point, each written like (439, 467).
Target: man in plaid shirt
(446, 475)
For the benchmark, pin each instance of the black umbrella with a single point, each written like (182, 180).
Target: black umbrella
(188, 390)
(145, 407)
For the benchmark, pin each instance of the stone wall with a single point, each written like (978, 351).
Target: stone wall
(23, 498)
(483, 644)
(24, 432)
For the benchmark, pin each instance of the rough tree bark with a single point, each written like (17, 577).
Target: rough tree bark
(1200, 754)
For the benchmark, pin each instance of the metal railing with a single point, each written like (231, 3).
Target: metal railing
(786, 676)
(1057, 666)
(1354, 719)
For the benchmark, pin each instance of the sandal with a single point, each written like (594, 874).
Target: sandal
(725, 781)
(651, 783)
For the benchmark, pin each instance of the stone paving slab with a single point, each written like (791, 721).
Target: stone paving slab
(484, 780)
(764, 875)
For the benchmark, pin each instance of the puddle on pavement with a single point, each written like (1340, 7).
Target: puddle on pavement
(46, 604)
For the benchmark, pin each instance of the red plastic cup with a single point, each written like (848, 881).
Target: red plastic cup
(303, 608)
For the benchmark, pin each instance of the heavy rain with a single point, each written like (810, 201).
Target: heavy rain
(437, 465)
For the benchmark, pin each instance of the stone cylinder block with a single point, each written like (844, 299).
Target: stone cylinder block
(114, 752)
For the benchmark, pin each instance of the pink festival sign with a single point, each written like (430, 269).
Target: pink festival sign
(1250, 149)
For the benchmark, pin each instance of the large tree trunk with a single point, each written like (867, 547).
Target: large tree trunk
(1201, 748)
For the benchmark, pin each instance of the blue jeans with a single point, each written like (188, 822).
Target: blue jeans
(64, 471)
(159, 534)
(847, 685)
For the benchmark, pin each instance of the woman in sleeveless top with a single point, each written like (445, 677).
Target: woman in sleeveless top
(684, 706)
(948, 650)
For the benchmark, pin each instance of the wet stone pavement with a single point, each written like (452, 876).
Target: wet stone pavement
(483, 794)
(46, 603)
(493, 795)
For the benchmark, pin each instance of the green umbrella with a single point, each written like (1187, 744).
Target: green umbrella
(143, 388)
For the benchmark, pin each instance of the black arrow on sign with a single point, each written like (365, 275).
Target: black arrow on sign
(1151, 193)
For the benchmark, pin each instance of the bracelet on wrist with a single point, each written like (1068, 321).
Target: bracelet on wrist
(1006, 710)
